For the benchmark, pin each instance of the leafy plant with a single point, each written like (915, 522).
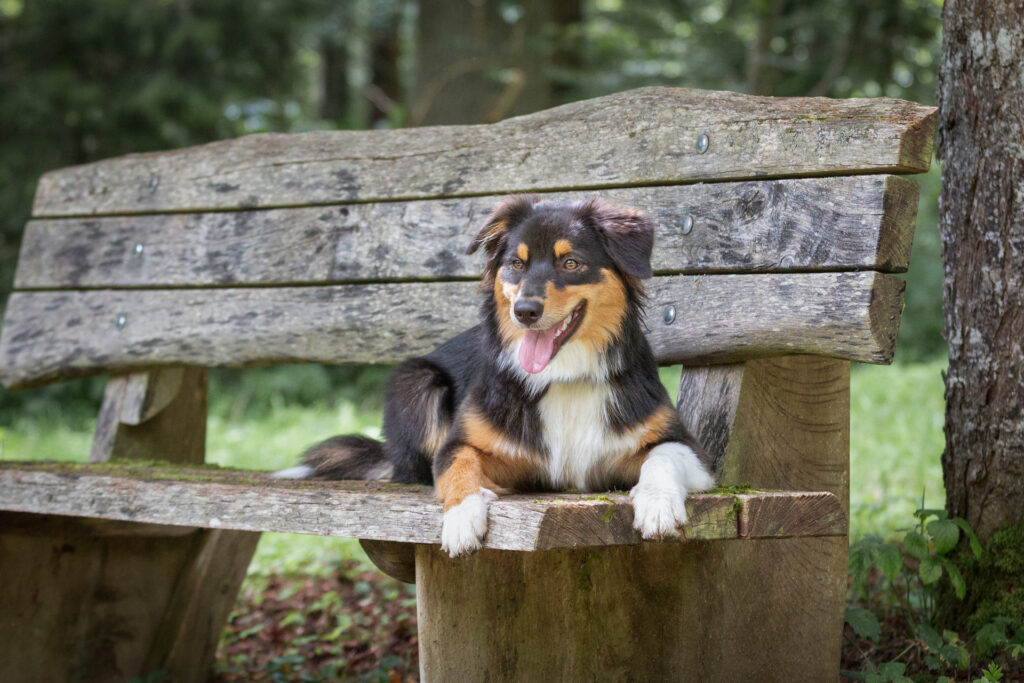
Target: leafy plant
(901, 581)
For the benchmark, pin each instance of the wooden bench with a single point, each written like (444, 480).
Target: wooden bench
(779, 221)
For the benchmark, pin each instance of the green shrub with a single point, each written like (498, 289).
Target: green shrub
(906, 583)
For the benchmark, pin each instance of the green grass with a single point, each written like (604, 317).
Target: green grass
(896, 441)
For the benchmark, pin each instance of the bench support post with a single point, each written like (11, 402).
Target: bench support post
(89, 600)
(694, 611)
(780, 423)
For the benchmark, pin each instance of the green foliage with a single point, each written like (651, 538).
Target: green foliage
(922, 323)
(995, 576)
(345, 624)
(812, 47)
(864, 622)
(902, 582)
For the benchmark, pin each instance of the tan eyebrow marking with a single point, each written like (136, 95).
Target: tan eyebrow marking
(562, 247)
(522, 251)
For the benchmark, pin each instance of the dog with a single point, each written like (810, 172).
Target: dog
(555, 389)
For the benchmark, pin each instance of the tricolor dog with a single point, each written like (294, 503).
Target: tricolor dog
(556, 388)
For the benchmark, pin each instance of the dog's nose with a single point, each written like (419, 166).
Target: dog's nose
(528, 311)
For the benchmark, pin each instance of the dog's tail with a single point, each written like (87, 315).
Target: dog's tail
(342, 457)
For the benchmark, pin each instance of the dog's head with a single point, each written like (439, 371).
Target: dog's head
(563, 273)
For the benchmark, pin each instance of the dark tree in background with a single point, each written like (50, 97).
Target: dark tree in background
(482, 61)
(981, 145)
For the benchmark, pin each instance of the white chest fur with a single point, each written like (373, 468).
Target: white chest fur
(581, 446)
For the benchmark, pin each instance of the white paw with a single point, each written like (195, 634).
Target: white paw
(670, 471)
(464, 525)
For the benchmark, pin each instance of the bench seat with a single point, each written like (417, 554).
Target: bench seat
(252, 501)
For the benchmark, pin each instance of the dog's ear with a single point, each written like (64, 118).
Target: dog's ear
(507, 214)
(627, 235)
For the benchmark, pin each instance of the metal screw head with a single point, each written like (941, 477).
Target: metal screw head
(138, 249)
(670, 315)
(120, 321)
(702, 144)
(687, 224)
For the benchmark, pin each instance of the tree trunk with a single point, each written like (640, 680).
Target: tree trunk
(981, 144)
(760, 73)
(483, 61)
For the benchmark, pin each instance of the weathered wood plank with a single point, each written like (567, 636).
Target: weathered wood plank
(373, 510)
(650, 612)
(48, 336)
(185, 643)
(857, 222)
(615, 614)
(639, 137)
(793, 515)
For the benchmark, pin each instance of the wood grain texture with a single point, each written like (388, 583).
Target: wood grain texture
(49, 336)
(807, 515)
(600, 614)
(707, 400)
(397, 560)
(650, 612)
(148, 393)
(639, 137)
(75, 606)
(176, 432)
(848, 223)
(28, 524)
(185, 642)
(790, 429)
(218, 499)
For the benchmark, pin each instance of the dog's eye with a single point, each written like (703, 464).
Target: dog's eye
(518, 264)
(571, 264)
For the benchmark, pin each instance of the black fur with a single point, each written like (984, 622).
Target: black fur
(347, 457)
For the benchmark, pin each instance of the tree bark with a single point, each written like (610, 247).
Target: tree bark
(981, 131)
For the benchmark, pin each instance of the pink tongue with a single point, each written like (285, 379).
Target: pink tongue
(536, 349)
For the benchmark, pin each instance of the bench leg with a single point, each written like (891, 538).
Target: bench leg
(652, 612)
(88, 600)
(92, 600)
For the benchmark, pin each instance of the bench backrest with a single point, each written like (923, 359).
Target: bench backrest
(778, 223)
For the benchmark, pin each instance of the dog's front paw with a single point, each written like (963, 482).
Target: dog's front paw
(464, 525)
(658, 509)
(670, 471)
